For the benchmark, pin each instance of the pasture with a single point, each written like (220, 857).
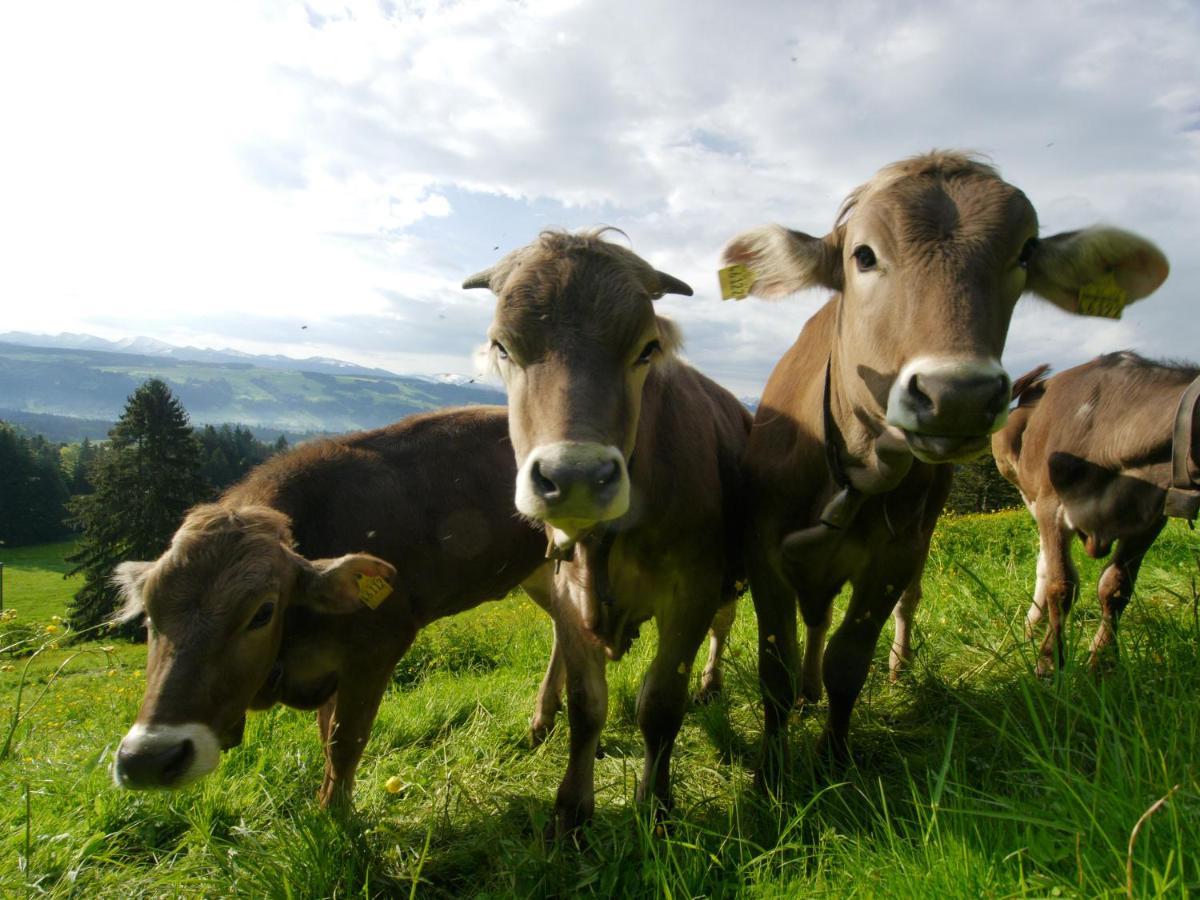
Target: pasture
(973, 778)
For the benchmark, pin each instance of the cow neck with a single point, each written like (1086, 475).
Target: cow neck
(840, 513)
(1183, 496)
(599, 539)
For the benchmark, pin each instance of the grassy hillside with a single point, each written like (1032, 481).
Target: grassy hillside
(974, 777)
(95, 385)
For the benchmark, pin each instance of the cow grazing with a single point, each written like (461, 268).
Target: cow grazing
(1091, 452)
(630, 459)
(894, 376)
(257, 599)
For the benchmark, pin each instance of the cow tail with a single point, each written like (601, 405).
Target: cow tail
(1029, 388)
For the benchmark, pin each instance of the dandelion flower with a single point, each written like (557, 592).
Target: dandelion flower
(393, 784)
(51, 629)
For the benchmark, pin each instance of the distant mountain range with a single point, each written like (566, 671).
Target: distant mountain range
(44, 378)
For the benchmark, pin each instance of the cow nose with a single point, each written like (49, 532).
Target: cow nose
(573, 484)
(937, 397)
(950, 398)
(556, 480)
(155, 765)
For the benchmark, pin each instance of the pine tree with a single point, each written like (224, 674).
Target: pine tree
(33, 493)
(143, 483)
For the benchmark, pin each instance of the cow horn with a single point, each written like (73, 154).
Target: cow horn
(479, 280)
(669, 284)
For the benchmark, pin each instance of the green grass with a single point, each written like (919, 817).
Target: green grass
(33, 580)
(973, 777)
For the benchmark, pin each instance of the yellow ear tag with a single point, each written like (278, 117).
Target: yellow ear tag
(736, 281)
(1103, 297)
(373, 590)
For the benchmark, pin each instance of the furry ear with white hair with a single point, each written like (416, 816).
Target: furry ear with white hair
(1063, 264)
(785, 261)
(128, 578)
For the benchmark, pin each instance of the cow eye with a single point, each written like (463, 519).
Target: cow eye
(261, 616)
(499, 348)
(648, 352)
(865, 257)
(1027, 252)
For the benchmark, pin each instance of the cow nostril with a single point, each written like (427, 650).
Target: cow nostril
(608, 472)
(177, 761)
(546, 488)
(921, 399)
(1002, 396)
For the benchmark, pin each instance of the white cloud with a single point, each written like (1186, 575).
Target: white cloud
(350, 162)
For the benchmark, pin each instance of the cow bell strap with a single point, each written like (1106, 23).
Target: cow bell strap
(1183, 496)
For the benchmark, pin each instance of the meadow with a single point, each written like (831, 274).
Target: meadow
(973, 777)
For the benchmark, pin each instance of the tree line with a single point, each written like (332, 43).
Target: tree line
(124, 496)
(127, 495)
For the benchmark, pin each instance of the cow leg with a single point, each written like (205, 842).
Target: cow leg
(850, 650)
(348, 718)
(935, 500)
(540, 588)
(1060, 584)
(710, 680)
(1037, 609)
(775, 609)
(587, 709)
(663, 698)
(1116, 587)
(818, 615)
(902, 655)
(549, 698)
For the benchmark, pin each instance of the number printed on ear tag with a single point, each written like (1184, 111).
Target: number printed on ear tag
(736, 281)
(373, 590)
(1103, 297)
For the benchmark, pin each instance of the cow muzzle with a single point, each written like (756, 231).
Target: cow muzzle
(572, 485)
(948, 408)
(165, 756)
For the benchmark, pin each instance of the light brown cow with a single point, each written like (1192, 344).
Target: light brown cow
(1090, 452)
(897, 374)
(630, 459)
(257, 599)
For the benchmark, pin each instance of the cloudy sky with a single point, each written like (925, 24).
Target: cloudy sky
(223, 173)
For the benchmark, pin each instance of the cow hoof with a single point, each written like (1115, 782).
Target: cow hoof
(708, 692)
(539, 732)
(833, 753)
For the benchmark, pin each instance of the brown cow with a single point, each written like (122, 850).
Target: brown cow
(257, 601)
(1090, 452)
(897, 374)
(630, 459)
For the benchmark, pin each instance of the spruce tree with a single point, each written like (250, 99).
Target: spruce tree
(143, 483)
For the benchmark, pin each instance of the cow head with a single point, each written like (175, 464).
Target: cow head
(930, 257)
(214, 606)
(575, 337)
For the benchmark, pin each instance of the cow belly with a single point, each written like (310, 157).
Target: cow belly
(1125, 505)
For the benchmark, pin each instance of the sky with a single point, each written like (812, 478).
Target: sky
(318, 179)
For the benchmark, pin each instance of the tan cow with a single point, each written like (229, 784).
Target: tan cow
(1090, 452)
(630, 459)
(895, 376)
(257, 600)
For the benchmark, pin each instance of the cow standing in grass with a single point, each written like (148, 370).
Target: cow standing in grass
(1090, 452)
(629, 457)
(897, 375)
(258, 599)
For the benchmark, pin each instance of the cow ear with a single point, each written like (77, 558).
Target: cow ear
(669, 284)
(494, 278)
(1064, 264)
(784, 261)
(343, 585)
(128, 578)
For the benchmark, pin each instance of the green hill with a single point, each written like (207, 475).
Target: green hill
(88, 384)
